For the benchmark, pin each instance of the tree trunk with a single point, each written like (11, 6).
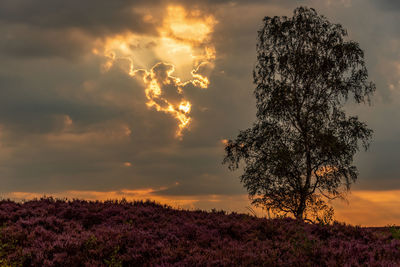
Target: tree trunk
(300, 210)
(305, 188)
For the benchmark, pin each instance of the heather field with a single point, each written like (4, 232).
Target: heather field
(50, 232)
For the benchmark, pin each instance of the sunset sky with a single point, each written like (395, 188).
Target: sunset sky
(105, 99)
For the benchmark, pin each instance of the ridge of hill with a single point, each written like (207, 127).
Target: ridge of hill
(49, 232)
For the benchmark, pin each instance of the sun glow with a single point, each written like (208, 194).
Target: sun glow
(188, 26)
(184, 53)
(185, 106)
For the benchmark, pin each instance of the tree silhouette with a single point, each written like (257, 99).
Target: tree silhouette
(300, 149)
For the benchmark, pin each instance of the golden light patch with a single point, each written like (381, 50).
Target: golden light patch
(325, 170)
(188, 26)
(369, 208)
(67, 120)
(184, 53)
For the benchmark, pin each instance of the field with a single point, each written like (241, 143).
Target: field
(49, 232)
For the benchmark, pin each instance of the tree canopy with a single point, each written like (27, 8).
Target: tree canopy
(299, 151)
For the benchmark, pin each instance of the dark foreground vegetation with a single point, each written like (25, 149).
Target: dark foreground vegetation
(50, 232)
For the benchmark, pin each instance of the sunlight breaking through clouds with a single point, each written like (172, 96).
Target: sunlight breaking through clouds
(183, 55)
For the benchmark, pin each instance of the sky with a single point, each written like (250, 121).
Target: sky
(133, 99)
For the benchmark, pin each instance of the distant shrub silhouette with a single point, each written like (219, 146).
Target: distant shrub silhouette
(395, 231)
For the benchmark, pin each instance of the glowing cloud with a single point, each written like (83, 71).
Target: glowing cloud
(185, 28)
(184, 54)
(164, 92)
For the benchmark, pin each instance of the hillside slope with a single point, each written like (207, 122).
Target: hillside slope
(50, 232)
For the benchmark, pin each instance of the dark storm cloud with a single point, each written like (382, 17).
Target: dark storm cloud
(22, 41)
(93, 16)
(388, 5)
(381, 161)
(68, 28)
(260, 3)
(40, 146)
(32, 92)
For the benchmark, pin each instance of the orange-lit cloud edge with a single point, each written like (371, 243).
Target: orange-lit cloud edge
(364, 208)
(185, 55)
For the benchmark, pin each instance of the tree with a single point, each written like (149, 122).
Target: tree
(300, 149)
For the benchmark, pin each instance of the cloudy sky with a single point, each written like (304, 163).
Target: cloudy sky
(106, 99)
